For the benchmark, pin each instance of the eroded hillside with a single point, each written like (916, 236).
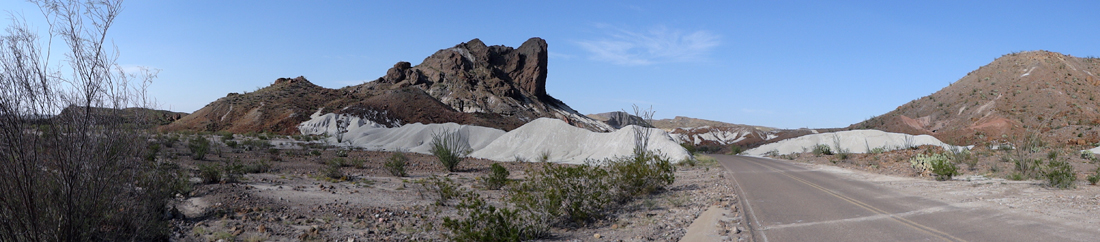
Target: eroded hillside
(1035, 92)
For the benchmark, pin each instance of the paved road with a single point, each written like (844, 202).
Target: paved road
(788, 202)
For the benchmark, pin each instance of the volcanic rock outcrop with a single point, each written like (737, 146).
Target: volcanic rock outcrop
(471, 83)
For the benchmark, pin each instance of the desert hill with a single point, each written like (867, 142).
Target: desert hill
(1034, 92)
(619, 119)
(717, 136)
(142, 117)
(688, 122)
(471, 83)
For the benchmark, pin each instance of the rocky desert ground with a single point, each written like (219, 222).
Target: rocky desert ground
(292, 199)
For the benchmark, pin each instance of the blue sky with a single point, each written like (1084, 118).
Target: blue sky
(786, 64)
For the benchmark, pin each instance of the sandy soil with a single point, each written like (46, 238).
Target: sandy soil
(293, 202)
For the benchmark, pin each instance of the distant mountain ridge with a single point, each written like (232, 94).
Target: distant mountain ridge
(470, 83)
(1049, 93)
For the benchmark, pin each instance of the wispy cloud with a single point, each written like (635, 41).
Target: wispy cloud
(657, 45)
(557, 55)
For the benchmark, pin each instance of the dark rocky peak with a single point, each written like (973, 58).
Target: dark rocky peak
(473, 62)
(296, 80)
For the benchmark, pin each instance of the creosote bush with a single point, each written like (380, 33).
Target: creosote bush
(396, 163)
(450, 148)
(210, 173)
(944, 169)
(939, 164)
(562, 194)
(332, 170)
(1059, 174)
(641, 174)
(233, 172)
(442, 189)
(1095, 177)
(497, 177)
(736, 150)
(199, 147)
(822, 149)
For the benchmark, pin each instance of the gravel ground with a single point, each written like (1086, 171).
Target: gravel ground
(292, 201)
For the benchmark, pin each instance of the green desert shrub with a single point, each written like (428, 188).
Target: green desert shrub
(544, 156)
(231, 144)
(966, 157)
(485, 222)
(1095, 177)
(225, 136)
(332, 170)
(199, 147)
(689, 147)
(396, 163)
(233, 172)
(560, 194)
(443, 190)
(822, 149)
(736, 150)
(1028, 168)
(152, 151)
(1015, 176)
(944, 169)
(342, 153)
(641, 174)
(210, 173)
(358, 163)
(1060, 174)
(877, 150)
(256, 167)
(450, 148)
(497, 177)
(939, 164)
(843, 154)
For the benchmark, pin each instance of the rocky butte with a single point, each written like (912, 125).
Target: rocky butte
(470, 83)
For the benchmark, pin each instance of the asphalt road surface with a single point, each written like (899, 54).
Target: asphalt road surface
(788, 202)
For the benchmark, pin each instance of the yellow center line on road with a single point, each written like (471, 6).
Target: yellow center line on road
(853, 201)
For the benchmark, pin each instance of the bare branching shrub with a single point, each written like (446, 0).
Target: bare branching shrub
(450, 147)
(72, 166)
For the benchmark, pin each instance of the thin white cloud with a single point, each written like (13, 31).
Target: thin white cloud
(557, 55)
(658, 45)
